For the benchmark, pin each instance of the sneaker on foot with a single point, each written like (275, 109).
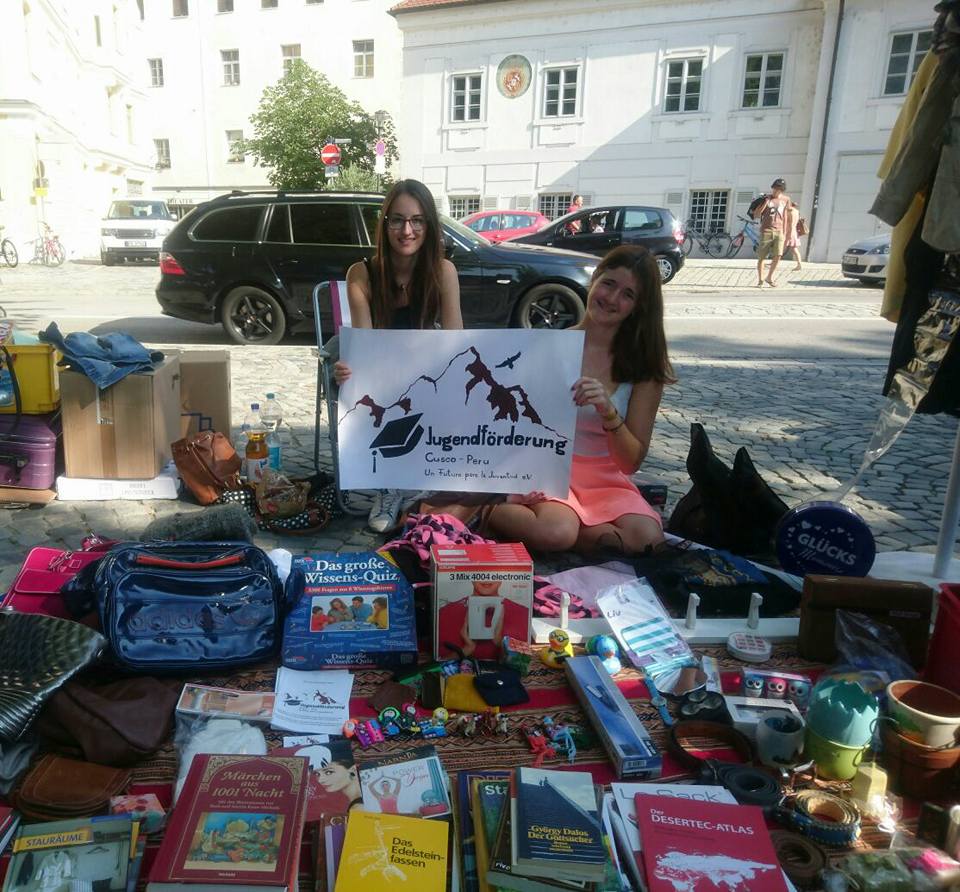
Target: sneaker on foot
(386, 510)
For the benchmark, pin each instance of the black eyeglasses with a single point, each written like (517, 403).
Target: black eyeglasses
(397, 223)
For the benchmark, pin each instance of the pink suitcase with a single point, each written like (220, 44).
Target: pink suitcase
(28, 450)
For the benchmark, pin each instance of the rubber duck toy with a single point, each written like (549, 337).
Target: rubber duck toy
(604, 647)
(559, 649)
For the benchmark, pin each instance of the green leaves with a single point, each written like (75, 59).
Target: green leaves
(296, 117)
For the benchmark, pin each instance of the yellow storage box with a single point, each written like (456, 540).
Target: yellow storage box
(38, 377)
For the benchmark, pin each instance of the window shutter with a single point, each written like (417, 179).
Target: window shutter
(490, 202)
(744, 196)
(673, 199)
(522, 202)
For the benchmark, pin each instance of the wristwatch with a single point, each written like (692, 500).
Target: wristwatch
(658, 700)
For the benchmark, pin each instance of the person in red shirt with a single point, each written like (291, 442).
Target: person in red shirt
(573, 227)
(453, 625)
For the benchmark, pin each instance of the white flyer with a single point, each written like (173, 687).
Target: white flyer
(312, 702)
(480, 410)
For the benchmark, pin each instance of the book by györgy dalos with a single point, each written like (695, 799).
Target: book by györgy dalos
(557, 825)
(238, 822)
(384, 851)
(356, 611)
(698, 845)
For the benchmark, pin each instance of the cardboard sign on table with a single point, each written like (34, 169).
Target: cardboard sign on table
(458, 411)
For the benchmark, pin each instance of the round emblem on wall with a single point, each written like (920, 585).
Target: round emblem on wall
(513, 76)
(825, 537)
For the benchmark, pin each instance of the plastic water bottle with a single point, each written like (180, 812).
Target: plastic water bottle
(272, 413)
(274, 450)
(257, 455)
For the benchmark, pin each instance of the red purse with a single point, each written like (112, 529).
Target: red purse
(45, 571)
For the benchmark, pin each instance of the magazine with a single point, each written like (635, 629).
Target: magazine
(312, 701)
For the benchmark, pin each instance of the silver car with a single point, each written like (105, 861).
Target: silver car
(867, 259)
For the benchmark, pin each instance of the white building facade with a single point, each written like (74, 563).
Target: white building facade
(693, 105)
(72, 124)
(209, 61)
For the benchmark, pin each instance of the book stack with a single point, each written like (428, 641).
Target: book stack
(548, 832)
(99, 852)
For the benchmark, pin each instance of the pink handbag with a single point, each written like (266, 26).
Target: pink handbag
(45, 571)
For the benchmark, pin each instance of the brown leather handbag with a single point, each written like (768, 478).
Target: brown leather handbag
(208, 465)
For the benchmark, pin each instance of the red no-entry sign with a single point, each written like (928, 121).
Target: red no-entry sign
(330, 154)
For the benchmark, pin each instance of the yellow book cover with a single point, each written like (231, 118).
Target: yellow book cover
(392, 852)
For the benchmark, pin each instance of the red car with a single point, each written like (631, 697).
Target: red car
(496, 226)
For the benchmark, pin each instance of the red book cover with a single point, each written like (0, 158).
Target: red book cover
(705, 846)
(238, 821)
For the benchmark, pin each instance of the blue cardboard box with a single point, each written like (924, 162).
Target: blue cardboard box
(356, 612)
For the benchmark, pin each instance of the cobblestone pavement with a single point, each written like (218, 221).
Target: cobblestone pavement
(804, 423)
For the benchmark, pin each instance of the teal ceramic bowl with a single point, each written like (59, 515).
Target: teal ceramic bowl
(843, 712)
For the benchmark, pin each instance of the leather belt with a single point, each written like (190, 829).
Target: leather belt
(749, 785)
(800, 859)
(824, 818)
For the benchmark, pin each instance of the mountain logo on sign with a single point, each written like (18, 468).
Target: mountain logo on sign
(399, 436)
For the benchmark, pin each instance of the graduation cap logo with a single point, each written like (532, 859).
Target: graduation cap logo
(398, 437)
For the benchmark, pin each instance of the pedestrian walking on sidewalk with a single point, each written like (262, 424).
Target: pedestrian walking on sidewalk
(772, 213)
(407, 284)
(791, 244)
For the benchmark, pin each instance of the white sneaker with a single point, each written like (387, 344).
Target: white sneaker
(386, 510)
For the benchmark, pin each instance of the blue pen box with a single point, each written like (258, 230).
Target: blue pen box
(356, 612)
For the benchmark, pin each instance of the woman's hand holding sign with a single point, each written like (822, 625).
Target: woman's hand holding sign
(591, 392)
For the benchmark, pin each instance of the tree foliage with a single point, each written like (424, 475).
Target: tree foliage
(357, 179)
(296, 117)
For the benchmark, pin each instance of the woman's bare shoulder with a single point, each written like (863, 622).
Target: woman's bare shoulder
(358, 273)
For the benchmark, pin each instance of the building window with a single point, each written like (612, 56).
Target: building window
(465, 103)
(231, 67)
(560, 92)
(684, 79)
(224, 5)
(181, 8)
(134, 187)
(162, 148)
(363, 58)
(906, 53)
(762, 80)
(156, 72)
(268, 4)
(462, 205)
(96, 30)
(708, 209)
(554, 204)
(290, 53)
(235, 147)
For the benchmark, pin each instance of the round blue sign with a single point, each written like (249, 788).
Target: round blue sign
(825, 537)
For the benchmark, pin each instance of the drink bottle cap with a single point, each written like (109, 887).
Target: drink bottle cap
(270, 396)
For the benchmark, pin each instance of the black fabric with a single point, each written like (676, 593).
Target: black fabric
(923, 271)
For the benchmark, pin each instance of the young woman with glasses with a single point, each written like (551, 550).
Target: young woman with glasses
(407, 284)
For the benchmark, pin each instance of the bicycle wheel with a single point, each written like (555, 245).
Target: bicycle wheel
(736, 243)
(686, 245)
(9, 253)
(53, 253)
(718, 244)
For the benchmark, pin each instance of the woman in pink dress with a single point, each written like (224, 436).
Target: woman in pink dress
(791, 243)
(625, 367)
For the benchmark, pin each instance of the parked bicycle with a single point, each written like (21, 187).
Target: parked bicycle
(48, 249)
(714, 244)
(7, 251)
(750, 231)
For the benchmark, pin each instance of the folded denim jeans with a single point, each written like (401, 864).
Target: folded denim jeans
(104, 359)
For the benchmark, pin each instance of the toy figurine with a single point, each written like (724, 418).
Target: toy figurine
(503, 723)
(441, 715)
(487, 723)
(389, 721)
(539, 745)
(604, 647)
(777, 685)
(368, 733)
(349, 728)
(433, 728)
(559, 649)
(561, 737)
(467, 724)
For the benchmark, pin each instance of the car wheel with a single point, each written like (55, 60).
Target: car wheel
(253, 316)
(668, 268)
(106, 259)
(550, 306)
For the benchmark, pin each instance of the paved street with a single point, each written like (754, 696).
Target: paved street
(792, 373)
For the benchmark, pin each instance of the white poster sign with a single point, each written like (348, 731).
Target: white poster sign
(462, 411)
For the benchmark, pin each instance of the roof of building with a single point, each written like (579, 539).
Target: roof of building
(418, 5)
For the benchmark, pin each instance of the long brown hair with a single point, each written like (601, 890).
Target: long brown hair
(640, 344)
(423, 289)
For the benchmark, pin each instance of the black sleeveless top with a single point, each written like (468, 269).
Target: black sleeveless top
(402, 318)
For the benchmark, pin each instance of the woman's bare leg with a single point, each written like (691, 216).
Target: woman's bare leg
(629, 533)
(544, 526)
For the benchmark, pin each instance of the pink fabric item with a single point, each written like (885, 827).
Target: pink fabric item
(600, 492)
